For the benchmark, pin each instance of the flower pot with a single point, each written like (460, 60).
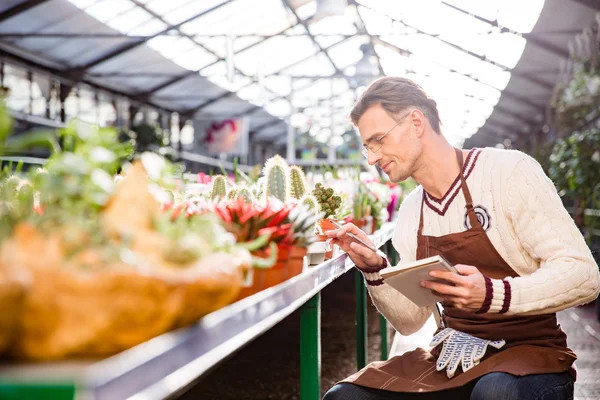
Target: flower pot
(296, 261)
(264, 278)
(316, 252)
(366, 224)
(69, 311)
(326, 225)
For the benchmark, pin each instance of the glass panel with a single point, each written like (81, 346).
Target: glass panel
(106, 10)
(83, 3)
(129, 20)
(162, 7)
(278, 108)
(274, 54)
(520, 16)
(189, 10)
(171, 46)
(194, 59)
(347, 53)
(329, 40)
(149, 28)
(505, 48)
(339, 24)
(486, 9)
(493, 76)
(280, 85)
(318, 65)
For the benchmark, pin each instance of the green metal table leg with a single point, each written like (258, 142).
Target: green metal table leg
(310, 349)
(384, 337)
(389, 250)
(361, 320)
(16, 391)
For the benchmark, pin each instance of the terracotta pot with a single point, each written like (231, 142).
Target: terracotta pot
(366, 224)
(296, 261)
(264, 278)
(326, 225)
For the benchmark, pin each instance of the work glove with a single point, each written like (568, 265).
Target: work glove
(459, 346)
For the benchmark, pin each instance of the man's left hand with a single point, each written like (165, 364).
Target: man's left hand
(468, 293)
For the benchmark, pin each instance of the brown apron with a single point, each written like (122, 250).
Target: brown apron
(534, 344)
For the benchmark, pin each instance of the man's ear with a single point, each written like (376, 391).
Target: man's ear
(419, 122)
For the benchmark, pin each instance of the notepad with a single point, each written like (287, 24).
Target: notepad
(407, 279)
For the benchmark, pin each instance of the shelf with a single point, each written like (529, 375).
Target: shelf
(164, 365)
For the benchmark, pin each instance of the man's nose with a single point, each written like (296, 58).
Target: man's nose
(373, 158)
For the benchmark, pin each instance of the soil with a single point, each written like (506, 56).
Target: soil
(268, 368)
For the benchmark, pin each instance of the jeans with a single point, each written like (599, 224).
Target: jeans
(493, 386)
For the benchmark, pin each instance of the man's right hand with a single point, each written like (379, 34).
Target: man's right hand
(359, 254)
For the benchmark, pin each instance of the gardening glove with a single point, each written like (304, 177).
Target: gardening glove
(459, 346)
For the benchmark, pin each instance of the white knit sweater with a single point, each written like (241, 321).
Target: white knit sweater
(526, 222)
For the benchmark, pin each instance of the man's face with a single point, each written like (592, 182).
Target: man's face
(400, 148)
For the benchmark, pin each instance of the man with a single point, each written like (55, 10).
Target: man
(496, 216)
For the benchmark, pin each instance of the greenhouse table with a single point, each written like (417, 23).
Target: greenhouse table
(163, 366)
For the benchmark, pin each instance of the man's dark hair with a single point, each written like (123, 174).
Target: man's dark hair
(396, 94)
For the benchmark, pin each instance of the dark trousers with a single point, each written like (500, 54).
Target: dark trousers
(494, 386)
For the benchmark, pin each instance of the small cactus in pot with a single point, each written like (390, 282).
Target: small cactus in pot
(297, 182)
(276, 182)
(219, 188)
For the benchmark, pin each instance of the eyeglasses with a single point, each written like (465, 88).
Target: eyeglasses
(377, 143)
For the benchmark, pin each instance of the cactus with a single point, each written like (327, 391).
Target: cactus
(297, 182)
(311, 202)
(232, 194)
(328, 201)
(245, 194)
(276, 184)
(219, 188)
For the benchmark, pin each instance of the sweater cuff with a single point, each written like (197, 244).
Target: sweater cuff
(501, 296)
(372, 276)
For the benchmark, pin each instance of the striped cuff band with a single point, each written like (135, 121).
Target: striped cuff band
(501, 296)
(372, 276)
(489, 294)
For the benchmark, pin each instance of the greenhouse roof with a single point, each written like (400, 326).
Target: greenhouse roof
(490, 65)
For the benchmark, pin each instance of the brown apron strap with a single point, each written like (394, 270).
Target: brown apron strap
(420, 231)
(465, 189)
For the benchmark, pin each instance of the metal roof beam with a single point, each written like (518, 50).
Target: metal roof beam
(363, 30)
(533, 39)
(190, 37)
(195, 72)
(19, 8)
(516, 116)
(593, 4)
(303, 23)
(504, 92)
(130, 46)
(66, 78)
(508, 129)
(224, 95)
(261, 127)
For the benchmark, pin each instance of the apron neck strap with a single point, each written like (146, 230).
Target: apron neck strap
(466, 193)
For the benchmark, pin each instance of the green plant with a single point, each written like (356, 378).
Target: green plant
(276, 184)
(219, 188)
(245, 195)
(297, 182)
(328, 201)
(311, 202)
(575, 170)
(232, 194)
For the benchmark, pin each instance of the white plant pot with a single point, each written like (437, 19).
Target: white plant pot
(316, 252)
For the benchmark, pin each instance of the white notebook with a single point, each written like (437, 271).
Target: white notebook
(407, 279)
